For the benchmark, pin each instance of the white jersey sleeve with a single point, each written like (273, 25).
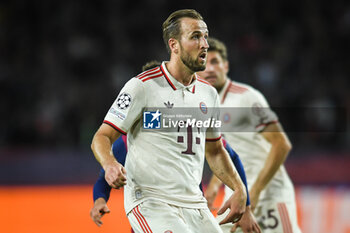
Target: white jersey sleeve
(260, 111)
(213, 132)
(127, 108)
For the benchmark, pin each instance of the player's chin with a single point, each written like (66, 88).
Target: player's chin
(200, 66)
(211, 80)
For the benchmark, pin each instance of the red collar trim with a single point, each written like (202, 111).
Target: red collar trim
(226, 91)
(167, 78)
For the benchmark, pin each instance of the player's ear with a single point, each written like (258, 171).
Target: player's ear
(173, 45)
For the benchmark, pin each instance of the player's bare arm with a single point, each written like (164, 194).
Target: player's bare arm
(115, 173)
(98, 210)
(280, 147)
(222, 166)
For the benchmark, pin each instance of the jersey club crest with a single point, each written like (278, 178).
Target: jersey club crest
(203, 107)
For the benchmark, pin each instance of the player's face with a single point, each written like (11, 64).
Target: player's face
(216, 70)
(193, 44)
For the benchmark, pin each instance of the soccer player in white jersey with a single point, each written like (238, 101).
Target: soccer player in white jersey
(163, 169)
(254, 132)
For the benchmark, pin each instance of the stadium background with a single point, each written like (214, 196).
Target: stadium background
(62, 64)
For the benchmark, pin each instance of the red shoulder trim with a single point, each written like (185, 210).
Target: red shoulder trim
(147, 71)
(237, 89)
(203, 81)
(156, 76)
(152, 77)
(149, 74)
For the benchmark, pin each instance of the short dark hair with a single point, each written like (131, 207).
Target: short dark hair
(217, 46)
(151, 64)
(172, 27)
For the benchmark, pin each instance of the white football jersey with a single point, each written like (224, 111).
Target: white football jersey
(161, 165)
(244, 113)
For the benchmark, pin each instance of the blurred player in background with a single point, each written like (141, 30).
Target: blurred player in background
(258, 138)
(163, 173)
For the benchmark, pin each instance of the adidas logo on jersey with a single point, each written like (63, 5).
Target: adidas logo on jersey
(168, 105)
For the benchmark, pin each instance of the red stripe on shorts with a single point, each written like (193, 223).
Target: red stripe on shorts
(138, 211)
(139, 220)
(287, 226)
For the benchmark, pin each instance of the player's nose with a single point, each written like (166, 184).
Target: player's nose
(204, 43)
(209, 68)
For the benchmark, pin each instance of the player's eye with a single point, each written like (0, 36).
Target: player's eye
(214, 62)
(195, 36)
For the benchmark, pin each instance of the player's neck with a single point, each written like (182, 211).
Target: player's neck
(221, 85)
(180, 72)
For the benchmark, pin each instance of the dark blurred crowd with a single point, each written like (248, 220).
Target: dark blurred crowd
(62, 63)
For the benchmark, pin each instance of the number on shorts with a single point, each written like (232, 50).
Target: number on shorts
(269, 220)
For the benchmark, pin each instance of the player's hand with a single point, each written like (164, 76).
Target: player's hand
(237, 205)
(115, 174)
(248, 223)
(98, 210)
